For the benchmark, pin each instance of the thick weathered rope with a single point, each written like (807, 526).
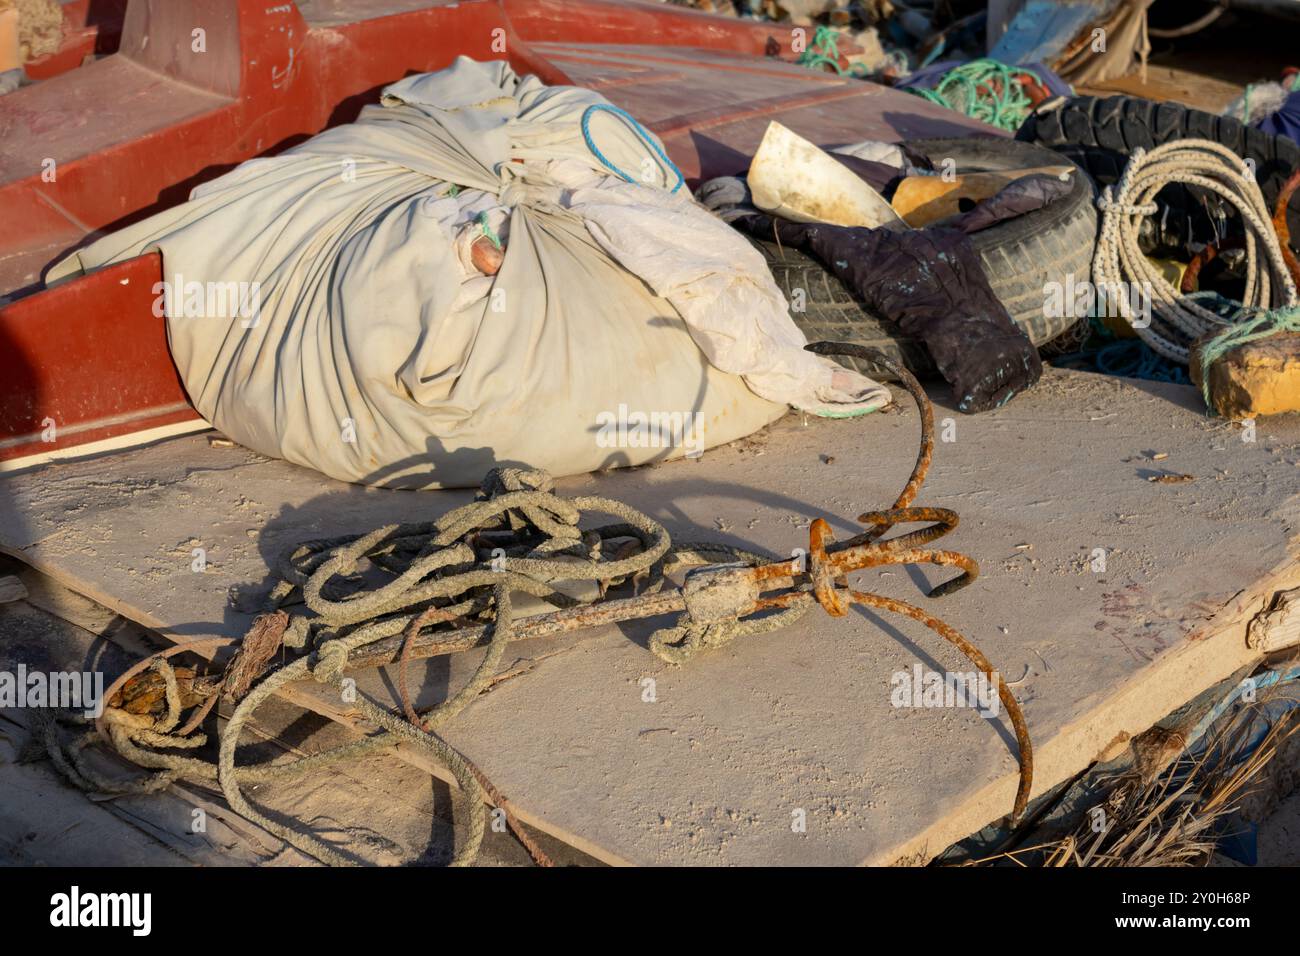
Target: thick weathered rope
(1119, 265)
(427, 563)
(409, 582)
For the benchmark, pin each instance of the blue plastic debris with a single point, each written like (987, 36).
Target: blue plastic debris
(1043, 29)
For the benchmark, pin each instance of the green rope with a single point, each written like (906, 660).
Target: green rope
(487, 230)
(1251, 326)
(972, 89)
(824, 51)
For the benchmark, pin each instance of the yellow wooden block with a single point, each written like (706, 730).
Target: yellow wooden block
(1258, 378)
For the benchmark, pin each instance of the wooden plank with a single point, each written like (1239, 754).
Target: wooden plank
(75, 607)
(1172, 84)
(44, 823)
(715, 768)
(378, 810)
(46, 820)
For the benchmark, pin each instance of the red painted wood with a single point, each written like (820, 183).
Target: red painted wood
(90, 28)
(90, 358)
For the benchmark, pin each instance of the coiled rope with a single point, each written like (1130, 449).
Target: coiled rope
(986, 90)
(517, 537)
(1119, 264)
(823, 51)
(1127, 358)
(448, 586)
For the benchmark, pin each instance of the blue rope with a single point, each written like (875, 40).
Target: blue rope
(636, 128)
(1133, 358)
(1127, 358)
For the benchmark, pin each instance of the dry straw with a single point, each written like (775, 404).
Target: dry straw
(1177, 818)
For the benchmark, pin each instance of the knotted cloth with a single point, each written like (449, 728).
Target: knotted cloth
(319, 311)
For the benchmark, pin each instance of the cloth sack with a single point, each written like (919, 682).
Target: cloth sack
(323, 306)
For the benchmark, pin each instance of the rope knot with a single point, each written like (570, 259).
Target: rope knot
(716, 597)
(331, 660)
(297, 633)
(512, 194)
(498, 481)
(677, 645)
(1107, 202)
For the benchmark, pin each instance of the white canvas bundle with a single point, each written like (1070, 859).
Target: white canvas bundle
(380, 354)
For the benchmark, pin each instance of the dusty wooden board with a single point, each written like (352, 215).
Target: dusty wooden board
(1168, 83)
(46, 821)
(370, 810)
(376, 810)
(740, 739)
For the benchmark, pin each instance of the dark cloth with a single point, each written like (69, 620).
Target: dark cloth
(1014, 199)
(1286, 121)
(882, 177)
(930, 282)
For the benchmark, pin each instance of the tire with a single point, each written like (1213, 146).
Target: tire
(1099, 134)
(832, 313)
(1019, 258)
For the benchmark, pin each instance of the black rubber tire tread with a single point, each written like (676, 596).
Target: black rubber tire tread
(1099, 134)
(832, 313)
(1019, 258)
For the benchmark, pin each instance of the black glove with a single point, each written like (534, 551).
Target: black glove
(930, 282)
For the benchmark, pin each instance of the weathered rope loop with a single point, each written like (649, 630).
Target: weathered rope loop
(1120, 268)
(451, 583)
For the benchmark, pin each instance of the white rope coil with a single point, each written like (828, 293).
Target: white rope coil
(1177, 319)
